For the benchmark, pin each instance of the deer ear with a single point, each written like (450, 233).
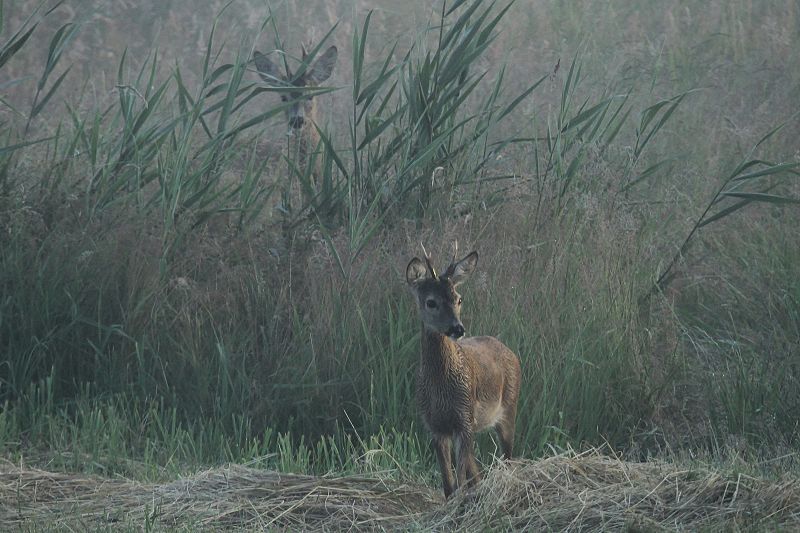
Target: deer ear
(416, 271)
(463, 269)
(323, 66)
(267, 69)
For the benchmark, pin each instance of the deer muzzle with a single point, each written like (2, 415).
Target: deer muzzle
(456, 332)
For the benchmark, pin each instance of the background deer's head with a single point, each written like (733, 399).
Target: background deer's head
(301, 106)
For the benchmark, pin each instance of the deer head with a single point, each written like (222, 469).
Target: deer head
(301, 102)
(439, 303)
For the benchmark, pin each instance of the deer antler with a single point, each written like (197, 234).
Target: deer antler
(428, 262)
(452, 267)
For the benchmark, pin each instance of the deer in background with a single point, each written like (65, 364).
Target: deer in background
(464, 385)
(301, 110)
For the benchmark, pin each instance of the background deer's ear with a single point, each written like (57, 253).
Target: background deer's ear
(416, 271)
(267, 69)
(464, 268)
(323, 66)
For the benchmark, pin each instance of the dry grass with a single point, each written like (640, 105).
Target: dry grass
(594, 492)
(230, 497)
(570, 491)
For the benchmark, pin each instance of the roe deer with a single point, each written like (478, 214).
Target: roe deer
(464, 385)
(301, 112)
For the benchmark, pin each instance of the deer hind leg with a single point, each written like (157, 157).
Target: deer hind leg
(505, 427)
(466, 466)
(441, 446)
(505, 433)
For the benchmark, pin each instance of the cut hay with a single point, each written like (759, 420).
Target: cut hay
(569, 491)
(595, 492)
(233, 497)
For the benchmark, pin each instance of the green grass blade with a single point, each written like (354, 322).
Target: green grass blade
(771, 170)
(43, 102)
(763, 197)
(12, 148)
(14, 45)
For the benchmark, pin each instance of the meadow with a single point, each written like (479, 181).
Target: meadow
(185, 308)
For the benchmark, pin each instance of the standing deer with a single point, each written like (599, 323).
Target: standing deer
(464, 385)
(301, 111)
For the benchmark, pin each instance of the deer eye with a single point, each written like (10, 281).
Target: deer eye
(431, 304)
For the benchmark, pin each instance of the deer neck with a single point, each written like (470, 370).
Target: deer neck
(306, 139)
(439, 354)
(299, 144)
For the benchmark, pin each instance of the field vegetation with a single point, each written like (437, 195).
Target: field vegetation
(182, 303)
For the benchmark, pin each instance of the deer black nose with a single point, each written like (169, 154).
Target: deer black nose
(456, 332)
(296, 122)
